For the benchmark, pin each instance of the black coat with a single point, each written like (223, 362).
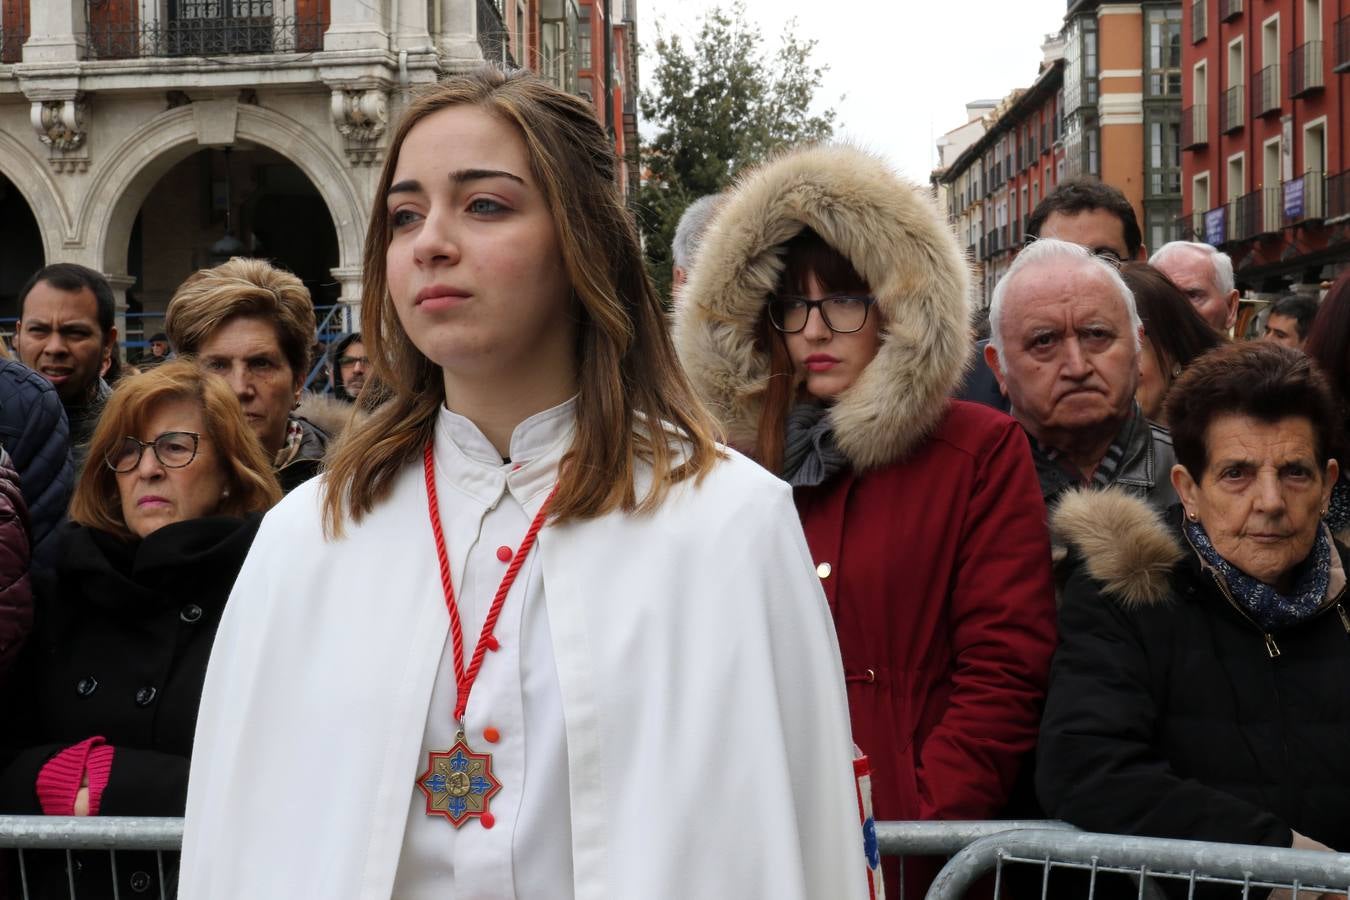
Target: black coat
(1167, 713)
(120, 645)
(34, 430)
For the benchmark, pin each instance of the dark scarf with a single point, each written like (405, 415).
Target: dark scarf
(810, 456)
(1271, 609)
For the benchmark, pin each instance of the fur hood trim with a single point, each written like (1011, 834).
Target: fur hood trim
(328, 413)
(893, 235)
(1124, 542)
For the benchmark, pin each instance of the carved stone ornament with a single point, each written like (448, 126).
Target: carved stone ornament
(360, 115)
(60, 124)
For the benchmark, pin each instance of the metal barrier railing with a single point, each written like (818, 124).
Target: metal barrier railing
(977, 850)
(1153, 862)
(75, 834)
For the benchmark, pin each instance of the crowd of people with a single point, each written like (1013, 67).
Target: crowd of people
(574, 595)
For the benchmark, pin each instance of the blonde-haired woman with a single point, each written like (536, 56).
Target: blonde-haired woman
(532, 635)
(101, 711)
(253, 324)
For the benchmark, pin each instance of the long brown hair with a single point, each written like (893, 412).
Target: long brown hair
(805, 255)
(634, 402)
(248, 472)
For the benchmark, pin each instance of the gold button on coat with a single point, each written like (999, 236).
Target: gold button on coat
(824, 570)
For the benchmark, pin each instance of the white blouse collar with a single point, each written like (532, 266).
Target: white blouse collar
(471, 463)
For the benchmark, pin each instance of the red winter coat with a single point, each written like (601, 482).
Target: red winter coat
(932, 543)
(939, 581)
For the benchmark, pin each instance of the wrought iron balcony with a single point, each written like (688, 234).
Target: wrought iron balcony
(1195, 126)
(1231, 116)
(995, 243)
(1199, 20)
(1229, 10)
(1266, 91)
(1190, 227)
(1338, 196)
(1305, 69)
(493, 38)
(119, 29)
(1342, 61)
(1255, 214)
(14, 27)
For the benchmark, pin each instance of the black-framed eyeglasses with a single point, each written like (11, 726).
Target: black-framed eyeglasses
(173, 449)
(841, 313)
(347, 362)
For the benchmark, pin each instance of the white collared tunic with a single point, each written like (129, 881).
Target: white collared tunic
(486, 506)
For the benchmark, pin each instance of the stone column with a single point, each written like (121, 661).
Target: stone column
(413, 31)
(457, 39)
(349, 277)
(120, 284)
(57, 27)
(355, 25)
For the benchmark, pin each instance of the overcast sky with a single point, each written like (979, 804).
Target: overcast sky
(905, 68)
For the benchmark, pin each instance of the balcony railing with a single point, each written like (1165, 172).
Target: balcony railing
(1194, 126)
(1186, 228)
(120, 29)
(1305, 69)
(1338, 196)
(1254, 214)
(14, 26)
(1266, 91)
(1342, 61)
(1230, 114)
(493, 38)
(1229, 10)
(1199, 20)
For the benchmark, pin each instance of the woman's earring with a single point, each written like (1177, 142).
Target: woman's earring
(224, 495)
(1190, 515)
(1176, 370)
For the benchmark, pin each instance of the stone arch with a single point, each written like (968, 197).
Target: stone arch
(123, 184)
(30, 177)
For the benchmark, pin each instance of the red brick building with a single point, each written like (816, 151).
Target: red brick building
(1264, 154)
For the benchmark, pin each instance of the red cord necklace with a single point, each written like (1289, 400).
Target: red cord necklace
(458, 782)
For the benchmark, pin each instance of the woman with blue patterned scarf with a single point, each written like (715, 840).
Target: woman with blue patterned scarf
(1202, 685)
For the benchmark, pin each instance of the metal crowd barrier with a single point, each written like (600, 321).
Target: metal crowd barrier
(73, 835)
(977, 850)
(1152, 863)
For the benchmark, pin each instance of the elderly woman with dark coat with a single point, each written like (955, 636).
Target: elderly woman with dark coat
(100, 713)
(1201, 689)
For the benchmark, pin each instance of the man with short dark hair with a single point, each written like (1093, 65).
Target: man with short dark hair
(66, 334)
(1081, 211)
(1289, 319)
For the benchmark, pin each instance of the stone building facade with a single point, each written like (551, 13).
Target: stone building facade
(148, 138)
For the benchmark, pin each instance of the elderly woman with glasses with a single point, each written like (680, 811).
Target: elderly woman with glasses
(1202, 686)
(826, 322)
(100, 714)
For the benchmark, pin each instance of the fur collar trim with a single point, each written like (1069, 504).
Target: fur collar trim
(896, 239)
(1123, 541)
(328, 413)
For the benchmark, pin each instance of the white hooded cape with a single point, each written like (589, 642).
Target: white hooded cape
(707, 728)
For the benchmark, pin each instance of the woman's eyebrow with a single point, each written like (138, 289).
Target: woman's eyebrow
(463, 175)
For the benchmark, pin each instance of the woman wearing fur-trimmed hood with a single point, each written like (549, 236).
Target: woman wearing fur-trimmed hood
(826, 324)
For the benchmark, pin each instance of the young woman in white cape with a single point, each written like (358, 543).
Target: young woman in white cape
(647, 702)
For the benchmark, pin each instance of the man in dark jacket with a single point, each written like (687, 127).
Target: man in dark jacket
(1064, 345)
(66, 334)
(33, 430)
(1084, 212)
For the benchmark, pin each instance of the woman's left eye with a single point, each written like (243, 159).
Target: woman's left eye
(484, 205)
(401, 217)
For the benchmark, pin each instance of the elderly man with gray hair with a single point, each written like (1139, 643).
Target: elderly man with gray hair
(1064, 345)
(1205, 276)
(688, 235)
